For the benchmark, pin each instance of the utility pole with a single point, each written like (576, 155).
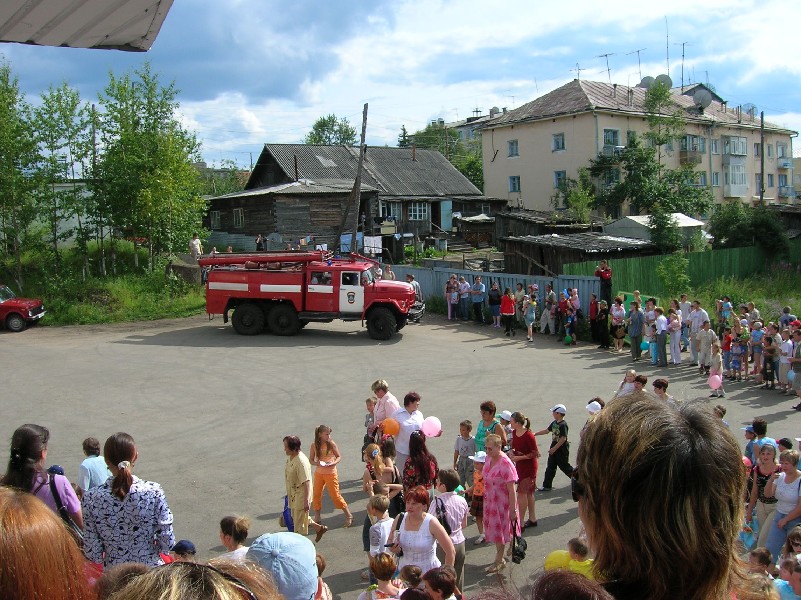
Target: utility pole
(356, 192)
(683, 44)
(762, 157)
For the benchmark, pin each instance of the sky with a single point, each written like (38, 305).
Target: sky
(252, 72)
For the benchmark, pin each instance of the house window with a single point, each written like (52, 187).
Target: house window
(514, 184)
(239, 217)
(769, 150)
(756, 149)
(771, 181)
(782, 180)
(735, 175)
(735, 145)
(669, 145)
(390, 209)
(611, 177)
(781, 150)
(418, 211)
(630, 137)
(611, 137)
(698, 178)
(715, 179)
(558, 142)
(512, 148)
(758, 181)
(214, 218)
(713, 144)
(559, 179)
(693, 143)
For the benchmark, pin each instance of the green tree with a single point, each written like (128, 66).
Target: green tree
(145, 173)
(735, 225)
(63, 128)
(672, 272)
(19, 161)
(225, 178)
(330, 130)
(577, 196)
(665, 233)
(437, 137)
(471, 166)
(403, 138)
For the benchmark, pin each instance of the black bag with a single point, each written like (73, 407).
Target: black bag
(442, 516)
(397, 533)
(397, 504)
(72, 527)
(519, 546)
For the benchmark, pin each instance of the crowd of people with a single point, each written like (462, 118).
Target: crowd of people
(662, 495)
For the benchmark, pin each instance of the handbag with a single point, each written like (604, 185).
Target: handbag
(286, 516)
(397, 504)
(72, 527)
(442, 516)
(519, 545)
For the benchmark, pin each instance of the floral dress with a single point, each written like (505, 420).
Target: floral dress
(497, 520)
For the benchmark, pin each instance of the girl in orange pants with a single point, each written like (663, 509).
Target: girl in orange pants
(325, 456)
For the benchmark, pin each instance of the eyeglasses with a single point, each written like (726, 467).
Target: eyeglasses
(795, 543)
(200, 567)
(576, 488)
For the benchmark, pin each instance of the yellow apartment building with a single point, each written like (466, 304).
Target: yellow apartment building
(529, 151)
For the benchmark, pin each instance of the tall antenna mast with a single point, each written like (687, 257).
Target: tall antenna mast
(608, 70)
(578, 71)
(637, 52)
(667, 45)
(683, 44)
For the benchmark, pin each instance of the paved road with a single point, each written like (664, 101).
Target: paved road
(208, 409)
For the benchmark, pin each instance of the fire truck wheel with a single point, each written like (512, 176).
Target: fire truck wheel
(381, 324)
(402, 322)
(283, 320)
(248, 319)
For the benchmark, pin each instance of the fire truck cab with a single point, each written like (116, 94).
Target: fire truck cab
(284, 291)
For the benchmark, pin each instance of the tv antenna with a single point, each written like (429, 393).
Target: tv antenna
(578, 71)
(667, 44)
(682, 44)
(637, 52)
(608, 70)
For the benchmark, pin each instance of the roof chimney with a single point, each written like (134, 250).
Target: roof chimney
(631, 97)
(614, 90)
(504, 110)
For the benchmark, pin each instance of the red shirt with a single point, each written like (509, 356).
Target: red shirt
(522, 445)
(726, 345)
(507, 305)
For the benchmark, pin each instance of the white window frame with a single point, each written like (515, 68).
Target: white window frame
(514, 184)
(239, 218)
(782, 180)
(736, 146)
(715, 179)
(756, 149)
(757, 181)
(781, 150)
(559, 179)
(771, 180)
(769, 150)
(390, 209)
(558, 142)
(418, 211)
(611, 137)
(735, 175)
(214, 219)
(512, 148)
(714, 146)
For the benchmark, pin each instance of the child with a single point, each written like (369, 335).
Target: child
(559, 452)
(506, 422)
(465, 447)
(782, 582)
(377, 507)
(784, 361)
(369, 423)
(579, 558)
(737, 351)
(651, 337)
(716, 368)
(760, 561)
(570, 324)
(768, 371)
(725, 347)
(720, 412)
(477, 491)
(183, 551)
(323, 591)
(324, 456)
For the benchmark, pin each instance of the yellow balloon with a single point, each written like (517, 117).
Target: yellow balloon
(558, 559)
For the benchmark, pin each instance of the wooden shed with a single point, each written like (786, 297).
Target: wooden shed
(546, 254)
(516, 222)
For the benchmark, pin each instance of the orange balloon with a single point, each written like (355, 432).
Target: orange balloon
(390, 427)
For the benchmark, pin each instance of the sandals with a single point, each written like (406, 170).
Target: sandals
(495, 567)
(529, 523)
(348, 521)
(320, 533)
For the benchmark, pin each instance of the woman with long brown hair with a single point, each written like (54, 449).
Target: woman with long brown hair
(325, 456)
(40, 559)
(127, 519)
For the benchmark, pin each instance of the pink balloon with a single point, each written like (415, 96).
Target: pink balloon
(431, 427)
(715, 381)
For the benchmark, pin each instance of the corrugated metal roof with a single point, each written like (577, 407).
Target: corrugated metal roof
(130, 25)
(304, 186)
(561, 217)
(391, 170)
(587, 241)
(681, 220)
(582, 96)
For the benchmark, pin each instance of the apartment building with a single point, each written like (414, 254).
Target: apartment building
(529, 151)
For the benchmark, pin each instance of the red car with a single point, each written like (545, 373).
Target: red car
(16, 313)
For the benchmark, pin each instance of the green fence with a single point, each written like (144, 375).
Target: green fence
(640, 273)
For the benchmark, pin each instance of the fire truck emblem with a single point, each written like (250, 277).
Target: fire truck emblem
(351, 297)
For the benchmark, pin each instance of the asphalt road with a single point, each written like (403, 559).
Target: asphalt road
(209, 408)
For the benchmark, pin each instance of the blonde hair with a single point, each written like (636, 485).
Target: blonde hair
(373, 453)
(493, 439)
(372, 400)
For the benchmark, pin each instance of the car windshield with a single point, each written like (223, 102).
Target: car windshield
(5, 293)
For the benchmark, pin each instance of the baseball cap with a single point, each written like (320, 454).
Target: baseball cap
(183, 547)
(506, 415)
(291, 560)
(594, 407)
(479, 456)
(749, 429)
(559, 408)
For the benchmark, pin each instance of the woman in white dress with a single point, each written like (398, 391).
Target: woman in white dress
(416, 533)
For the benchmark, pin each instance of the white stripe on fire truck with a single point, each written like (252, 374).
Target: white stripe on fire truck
(279, 288)
(233, 287)
(321, 289)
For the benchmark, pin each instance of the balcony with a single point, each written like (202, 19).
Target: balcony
(784, 163)
(611, 150)
(786, 191)
(690, 157)
(735, 191)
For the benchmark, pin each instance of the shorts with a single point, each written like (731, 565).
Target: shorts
(477, 506)
(795, 384)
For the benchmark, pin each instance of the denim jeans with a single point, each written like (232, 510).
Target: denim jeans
(777, 535)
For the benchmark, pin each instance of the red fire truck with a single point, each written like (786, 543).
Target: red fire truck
(284, 291)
